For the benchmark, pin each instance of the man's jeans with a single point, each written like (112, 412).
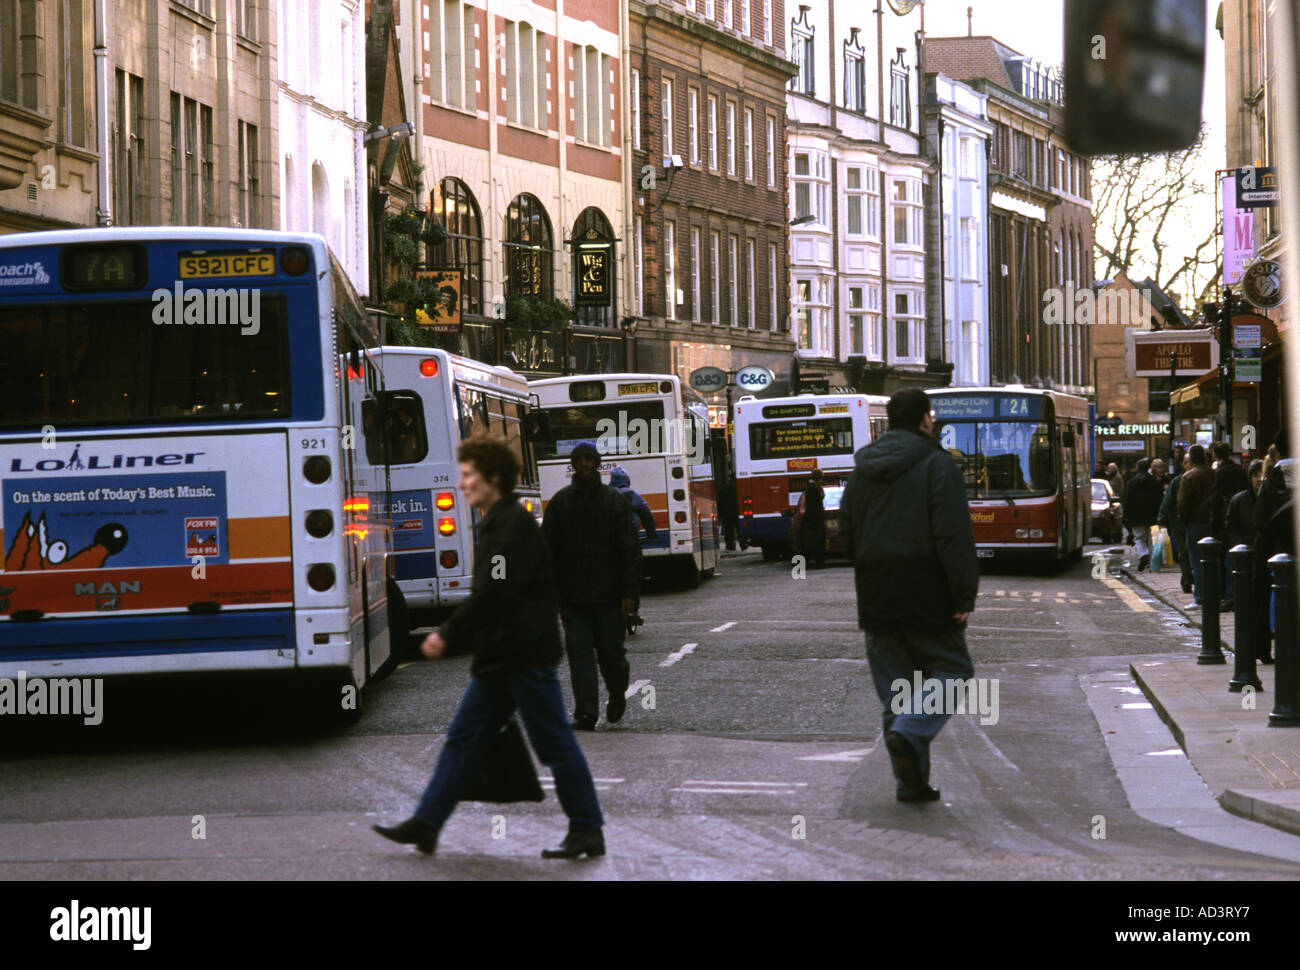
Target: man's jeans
(897, 655)
(593, 634)
(1196, 531)
(487, 705)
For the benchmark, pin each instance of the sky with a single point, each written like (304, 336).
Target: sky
(1036, 29)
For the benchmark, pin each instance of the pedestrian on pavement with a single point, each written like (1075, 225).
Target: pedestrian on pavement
(1141, 509)
(1168, 517)
(1160, 475)
(728, 509)
(1240, 517)
(1273, 523)
(597, 555)
(509, 622)
(1196, 512)
(621, 480)
(1179, 457)
(906, 527)
(1115, 478)
(812, 530)
(1229, 480)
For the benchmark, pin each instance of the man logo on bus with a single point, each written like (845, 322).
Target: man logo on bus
(32, 549)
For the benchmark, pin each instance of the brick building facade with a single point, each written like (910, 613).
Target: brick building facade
(709, 231)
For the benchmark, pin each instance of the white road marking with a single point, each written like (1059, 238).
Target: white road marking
(1170, 751)
(856, 755)
(736, 791)
(725, 626)
(674, 657)
(636, 687)
(1135, 707)
(756, 784)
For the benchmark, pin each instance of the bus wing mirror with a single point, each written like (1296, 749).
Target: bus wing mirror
(1133, 74)
(538, 424)
(1067, 438)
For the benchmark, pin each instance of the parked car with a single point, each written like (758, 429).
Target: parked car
(1107, 513)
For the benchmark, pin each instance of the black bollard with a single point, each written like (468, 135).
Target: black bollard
(1243, 638)
(1211, 651)
(1286, 712)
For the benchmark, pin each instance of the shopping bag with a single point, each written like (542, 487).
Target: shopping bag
(1158, 550)
(1170, 559)
(506, 773)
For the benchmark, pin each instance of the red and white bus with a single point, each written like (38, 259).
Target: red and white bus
(658, 431)
(1024, 455)
(778, 443)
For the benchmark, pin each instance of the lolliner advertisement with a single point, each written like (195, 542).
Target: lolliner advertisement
(109, 526)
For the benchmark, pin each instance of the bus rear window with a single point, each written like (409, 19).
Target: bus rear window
(109, 363)
(631, 428)
(796, 439)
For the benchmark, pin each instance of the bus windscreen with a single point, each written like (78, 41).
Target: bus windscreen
(629, 428)
(1001, 457)
(108, 363)
(798, 439)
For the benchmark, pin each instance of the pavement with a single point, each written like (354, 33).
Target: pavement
(1252, 769)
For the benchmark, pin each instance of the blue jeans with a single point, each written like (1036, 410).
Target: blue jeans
(486, 706)
(1196, 531)
(897, 655)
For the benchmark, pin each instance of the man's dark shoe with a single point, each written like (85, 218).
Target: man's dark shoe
(577, 844)
(926, 794)
(584, 722)
(904, 755)
(411, 832)
(615, 709)
(1143, 563)
(1187, 588)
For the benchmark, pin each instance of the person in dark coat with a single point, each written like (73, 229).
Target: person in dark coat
(509, 622)
(597, 556)
(1196, 512)
(812, 530)
(1141, 509)
(906, 527)
(1240, 517)
(621, 480)
(1229, 480)
(1273, 524)
(1168, 517)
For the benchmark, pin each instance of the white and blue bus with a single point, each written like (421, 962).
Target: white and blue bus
(189, 482)
(435, 400)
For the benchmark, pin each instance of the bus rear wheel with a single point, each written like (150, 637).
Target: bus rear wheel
(771, 553)
(689, 573)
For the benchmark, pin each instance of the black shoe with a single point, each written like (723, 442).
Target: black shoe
(1187, 588)
(411, 832)
(615, 709)
(1143, 563)
(926, 794)
(584, 722)
(576, 844)
(904, 756)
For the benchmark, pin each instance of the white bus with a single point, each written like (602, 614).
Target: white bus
(656, 429)
(187, 480)
(435, 400)
(778, 443)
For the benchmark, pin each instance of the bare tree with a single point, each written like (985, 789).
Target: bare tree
(1154, 216)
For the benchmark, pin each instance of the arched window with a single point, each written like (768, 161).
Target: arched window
(320, 201)
(528, 249)
(593, 269)
(454, 204)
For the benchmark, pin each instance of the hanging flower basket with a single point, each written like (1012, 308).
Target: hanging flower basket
(433, 234)
(409, 223)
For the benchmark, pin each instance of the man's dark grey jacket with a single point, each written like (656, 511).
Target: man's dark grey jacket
(906, 525)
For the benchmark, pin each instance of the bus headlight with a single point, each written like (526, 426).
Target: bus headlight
(1035, 533)
(1022, 533)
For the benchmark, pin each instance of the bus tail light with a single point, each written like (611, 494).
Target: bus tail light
(528, 505)
(679, 517)
(747, 509)
(677, 472)
(448, 559)
(320, 576)
(294, 260)
(679, 495)
(444, 501)
(447, 527)
(429, 367)
(316, 469)
(319, 523)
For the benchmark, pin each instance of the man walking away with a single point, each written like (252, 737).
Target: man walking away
(621, 480)
(1168, 517)
(589, 530)
(906, 527)
(1229, 480)
(1159, 474)
(812, 531)
(1141, 509)
(1115, 478)
(1196, 512)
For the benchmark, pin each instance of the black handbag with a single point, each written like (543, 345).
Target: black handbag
(506, 773)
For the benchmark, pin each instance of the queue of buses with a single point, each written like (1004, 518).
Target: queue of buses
(210, 462)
